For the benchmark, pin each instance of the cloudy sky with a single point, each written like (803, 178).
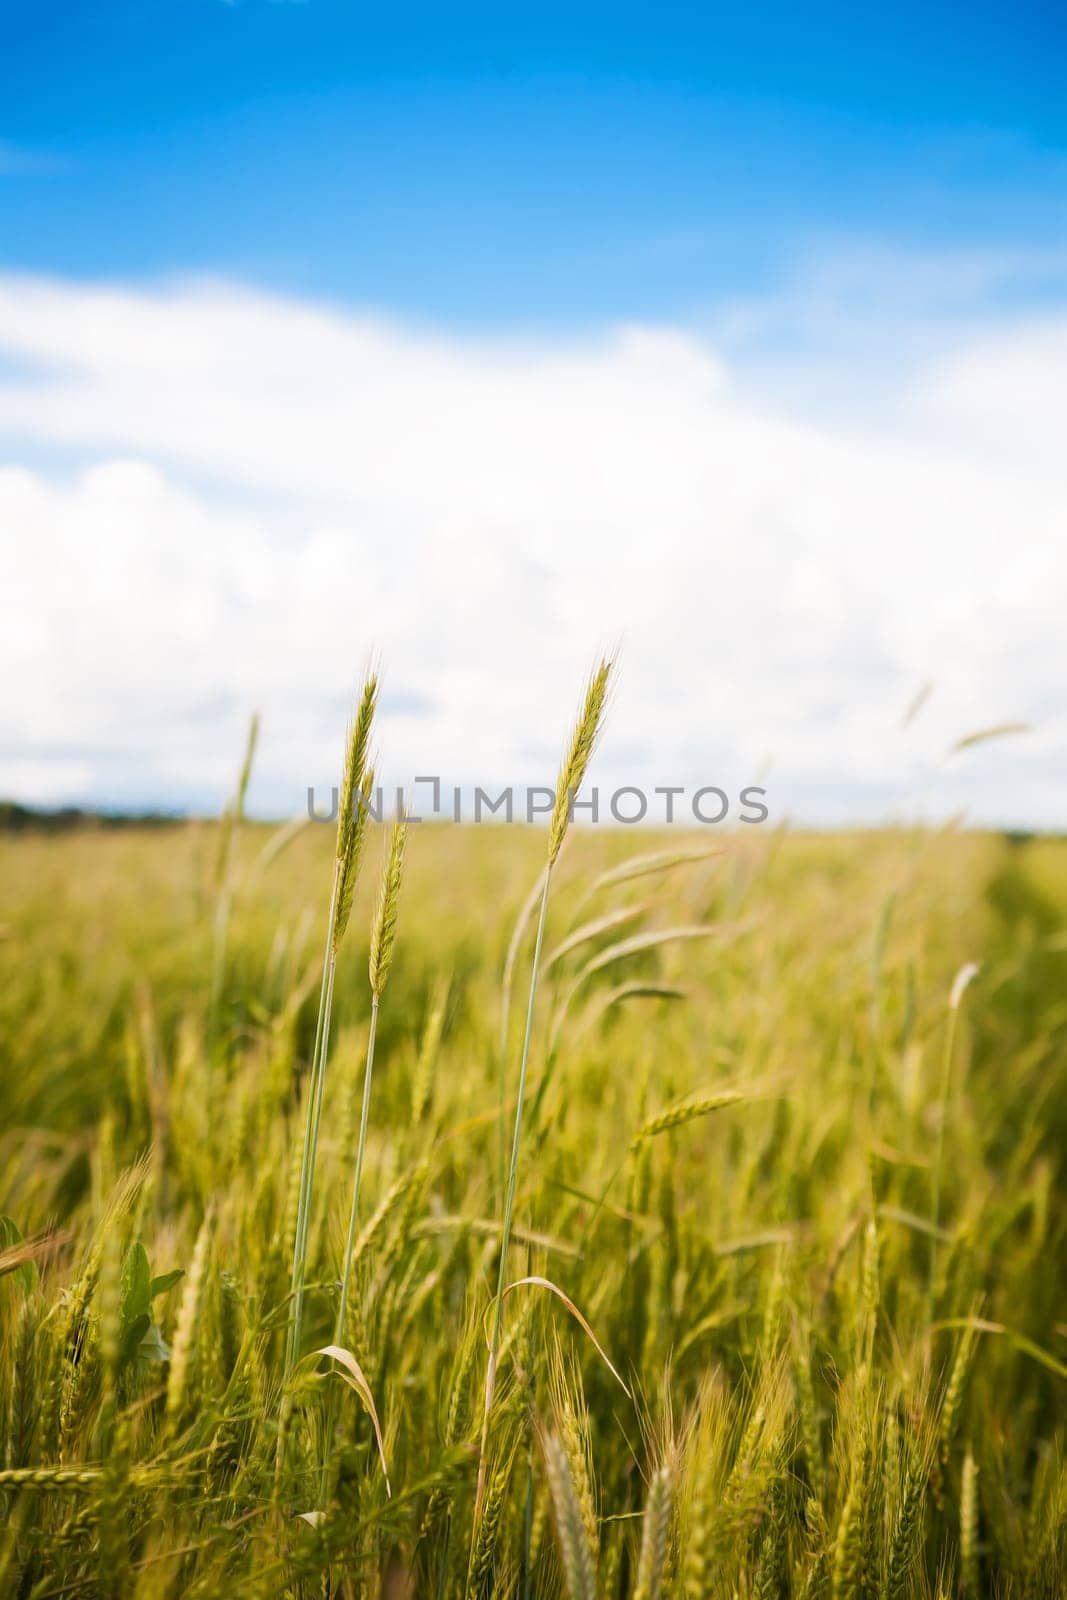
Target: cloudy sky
(480, 343)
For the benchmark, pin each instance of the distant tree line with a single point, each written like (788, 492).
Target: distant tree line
(16, 818)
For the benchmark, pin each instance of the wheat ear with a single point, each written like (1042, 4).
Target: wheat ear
(576, 1558)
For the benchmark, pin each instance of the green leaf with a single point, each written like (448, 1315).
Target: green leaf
(136, 1281)
(132, 1336)
(165, 1281)
(10, 1235)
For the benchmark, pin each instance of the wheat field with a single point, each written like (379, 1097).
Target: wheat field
(781, 1310)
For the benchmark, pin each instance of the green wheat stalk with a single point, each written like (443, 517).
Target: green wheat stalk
(231, 819)
(383, 938)
(964, 978)
(571, 777)
(356, 789)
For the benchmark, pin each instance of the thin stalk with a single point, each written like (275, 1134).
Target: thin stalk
(502, 1098)
(502, 1101)
(350, 1241)
(320, 1082)
(382, 942)
(311, 1132)
(218, 969)
(442, 1577)
(357, 1180)
(939, 1148)
(526, 911)
(509, 1199)
(527, 1536)
(320, 1085)
(229, 824)
(963, 979)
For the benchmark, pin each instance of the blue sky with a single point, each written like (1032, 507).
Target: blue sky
(546, 165)
(480, 337)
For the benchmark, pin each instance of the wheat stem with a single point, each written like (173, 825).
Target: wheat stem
(311, 1128)
(963, 978)
(357, 785)
(357, 1179)
(339, 1337)
(572, 773)
(509, 1195)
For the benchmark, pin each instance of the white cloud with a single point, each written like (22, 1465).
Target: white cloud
(217, 500)
(1006, 393)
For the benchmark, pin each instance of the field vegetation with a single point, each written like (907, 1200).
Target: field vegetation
(780, 1309)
